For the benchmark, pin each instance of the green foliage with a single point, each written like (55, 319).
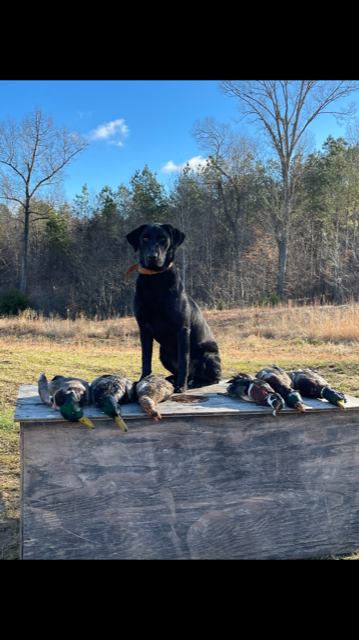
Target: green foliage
(220, 305)
(7, 420)
(56, 230)
(149, 196)
(315, 341)
(12, 302)
(81, 204)
(266, 301)
(108, 209)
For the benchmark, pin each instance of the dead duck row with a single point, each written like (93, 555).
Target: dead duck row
(68, 395)
(273, 387)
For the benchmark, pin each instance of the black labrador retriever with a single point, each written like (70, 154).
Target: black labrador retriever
(166, 313)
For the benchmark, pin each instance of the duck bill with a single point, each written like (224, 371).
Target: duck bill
(276, 410)
(86, 421)
(340, 404)
(121, 423)
(299, 407)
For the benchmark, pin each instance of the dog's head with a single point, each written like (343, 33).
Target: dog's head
(157, 244)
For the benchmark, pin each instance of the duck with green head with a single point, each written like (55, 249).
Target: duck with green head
(312, 385)
(109, 392)
(280, 381)
(67, 395)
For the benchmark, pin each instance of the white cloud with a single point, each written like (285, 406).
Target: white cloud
(169, 167)
(109, 130)
(195, 163)
(84, 114)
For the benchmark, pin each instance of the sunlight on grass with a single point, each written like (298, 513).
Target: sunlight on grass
(7, 420)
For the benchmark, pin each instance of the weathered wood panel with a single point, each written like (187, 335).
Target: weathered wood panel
(30, 408)
(194, 487)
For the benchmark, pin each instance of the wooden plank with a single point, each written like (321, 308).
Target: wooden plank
(248, 486)
(30, 408)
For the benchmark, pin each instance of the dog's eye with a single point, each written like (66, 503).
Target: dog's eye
(145, 239)
(162, 239)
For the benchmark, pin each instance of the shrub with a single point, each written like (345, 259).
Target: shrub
(12, 302)
(314, 341)
(273, 300)
(220, 305)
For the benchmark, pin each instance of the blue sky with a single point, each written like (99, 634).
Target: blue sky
(130, 123)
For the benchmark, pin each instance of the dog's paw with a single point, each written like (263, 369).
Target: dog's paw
(179, 389)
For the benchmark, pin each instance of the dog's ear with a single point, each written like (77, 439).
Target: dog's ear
(177, 236)
(134, 237)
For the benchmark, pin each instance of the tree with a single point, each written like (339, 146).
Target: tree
(149, 196)
(33, 155)
(283, 110)
(81, 205)
(231, 171)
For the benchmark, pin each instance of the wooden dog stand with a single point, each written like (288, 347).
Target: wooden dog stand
(215, 479)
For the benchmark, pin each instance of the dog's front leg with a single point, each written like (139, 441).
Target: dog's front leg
(146, 344)
(183, 359)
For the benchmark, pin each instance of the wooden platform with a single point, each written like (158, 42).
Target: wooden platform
(215, 479)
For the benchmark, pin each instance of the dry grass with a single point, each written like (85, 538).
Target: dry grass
(308, 323)
(326, 338)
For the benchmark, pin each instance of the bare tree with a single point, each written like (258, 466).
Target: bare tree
(284, 109)
(33, 155)
(231, 170)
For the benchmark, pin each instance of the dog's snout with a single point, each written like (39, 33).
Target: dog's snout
(152, 254)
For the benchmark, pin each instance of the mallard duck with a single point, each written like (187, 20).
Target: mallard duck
(251, 389)
(280, 381)
(312, 385)
(152, 390)
(108, 392)
(66, 395)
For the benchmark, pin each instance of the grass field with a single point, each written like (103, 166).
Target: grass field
(325, 338)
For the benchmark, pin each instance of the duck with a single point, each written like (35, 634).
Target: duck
(251, 389)
(280, 381)
(109, 391)
(152, 390)
(67, 395)
(312, 385)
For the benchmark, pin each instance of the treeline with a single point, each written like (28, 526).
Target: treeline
(231, 212)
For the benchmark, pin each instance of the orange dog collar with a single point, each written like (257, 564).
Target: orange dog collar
(141, 269)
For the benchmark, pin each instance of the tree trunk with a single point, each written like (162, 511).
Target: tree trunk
(282, 260)
(184, 267)
(24, 250)
(282, 237)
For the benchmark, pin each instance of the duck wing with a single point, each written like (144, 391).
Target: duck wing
(308, 382)
(277, 378)
(60, 385)
(55, 384)
(155, 387)
(240, 376)
(117, 386)
(43, 390)
(250, 389)
(239, 385)
(313, 375)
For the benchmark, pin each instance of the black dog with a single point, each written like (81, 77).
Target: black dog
(166, 313)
